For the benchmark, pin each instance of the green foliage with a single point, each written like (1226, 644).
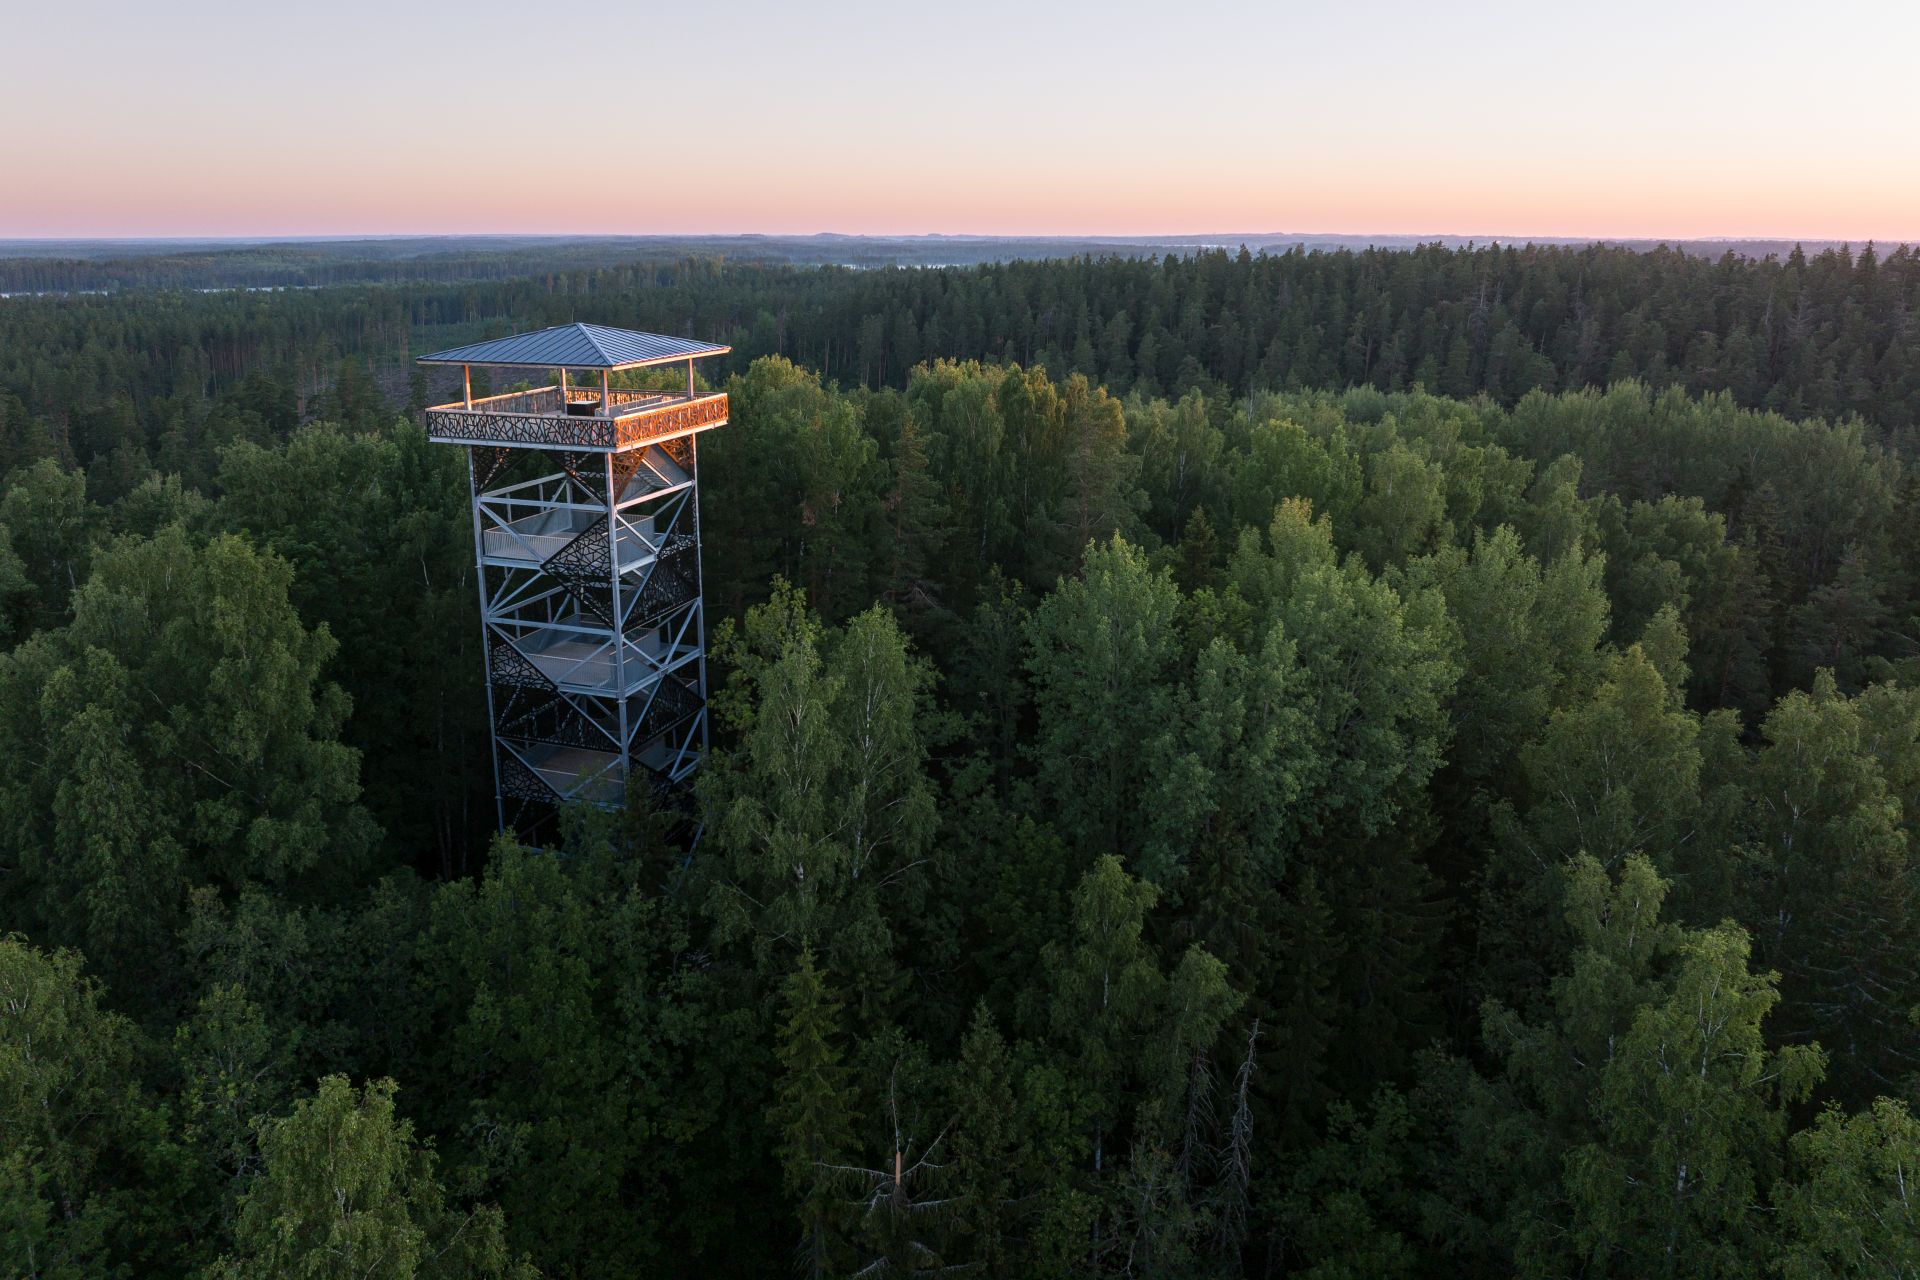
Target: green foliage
(991, 1149)
(50, 525)
(382, 516)
(812, 1111)
(1828, 877)
(176, 733)
(79, 1137)
(1108, 994)
(1105, 984)
(233, 1075)
(345, 1191)
(824, 814)
(1850, 1210)
(1337, 1215)
(1224, 775)
(1377, 670)
(559, 1009)
(801, 457)
(1103, 649)
(1635, 1128)
(1613, 776)
(1529, 642)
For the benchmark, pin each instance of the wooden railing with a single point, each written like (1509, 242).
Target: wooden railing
(538, 400)
(644, 423)
(624, 400)
(534, 419)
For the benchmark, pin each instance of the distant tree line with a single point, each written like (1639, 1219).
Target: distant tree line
(1832, 334)
(103, 266)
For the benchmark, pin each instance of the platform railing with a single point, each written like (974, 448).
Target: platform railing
(619, 401)
(535, 419)
(536, 400)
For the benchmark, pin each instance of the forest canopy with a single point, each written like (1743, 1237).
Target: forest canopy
(1348, 764)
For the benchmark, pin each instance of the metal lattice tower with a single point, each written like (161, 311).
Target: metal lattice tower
(586, 529)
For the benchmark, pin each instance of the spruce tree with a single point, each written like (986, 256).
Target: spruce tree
(812, 1112)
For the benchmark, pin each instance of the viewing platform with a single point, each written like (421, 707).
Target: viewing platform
(576, 418)
(602, 418)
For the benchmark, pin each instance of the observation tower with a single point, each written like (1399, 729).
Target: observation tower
(586, 532)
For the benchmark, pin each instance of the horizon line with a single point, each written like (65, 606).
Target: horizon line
(1212, 237)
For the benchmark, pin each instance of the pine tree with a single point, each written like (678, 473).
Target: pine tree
(1199, 549)
(812, 1112)
(988, 1148)
(917, 526)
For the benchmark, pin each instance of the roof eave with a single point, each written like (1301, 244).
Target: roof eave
(548, 364)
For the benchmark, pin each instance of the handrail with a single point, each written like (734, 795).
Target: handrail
(509, 401)
(626, 401)
(633, 423)
(547, 400)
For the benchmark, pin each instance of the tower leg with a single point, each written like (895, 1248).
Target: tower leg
(486, 640)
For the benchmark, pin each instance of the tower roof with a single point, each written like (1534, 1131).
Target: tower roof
(577, 346)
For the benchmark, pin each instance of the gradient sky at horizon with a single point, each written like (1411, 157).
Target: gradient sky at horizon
(212, 117)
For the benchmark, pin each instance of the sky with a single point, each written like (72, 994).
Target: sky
(377, 117)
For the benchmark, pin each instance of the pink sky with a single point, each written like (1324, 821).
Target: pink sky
(1640, 120)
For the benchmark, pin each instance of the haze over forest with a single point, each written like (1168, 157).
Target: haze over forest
(55, 264)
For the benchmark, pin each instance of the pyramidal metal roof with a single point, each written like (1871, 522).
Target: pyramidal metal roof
(577, 346)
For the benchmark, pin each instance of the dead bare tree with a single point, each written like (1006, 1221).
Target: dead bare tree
(900, 1220)
(1236, 1156)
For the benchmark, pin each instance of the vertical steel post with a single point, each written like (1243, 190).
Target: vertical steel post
(699, 579)
(624, 768)
(486, 637)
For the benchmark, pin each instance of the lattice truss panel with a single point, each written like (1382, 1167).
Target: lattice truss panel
(590, 594)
